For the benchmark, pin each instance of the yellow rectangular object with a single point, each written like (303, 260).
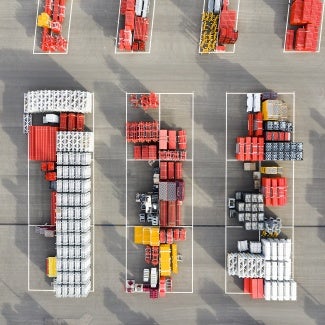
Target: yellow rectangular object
(51, 267)
(154, 237)
(174, 259)
(164, 260)
(138, 235)
(146, 235)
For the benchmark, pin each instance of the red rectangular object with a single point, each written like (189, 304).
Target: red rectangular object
(141, 28)
(145, 152)
(163, 170)
(172, 140)
(248, 148)
(181, 135)
(260, 149)
(240, 148)
(137, 152)
(71, 122)
(80, 122)
(274, 192)
(63, 121)
(171, 170)
(247, 285)
(171, 213)
(254, 290)
(53, 208)
(130, 5)
(163, 139)
(254, 149)
(152, 152)
(178, 170)
(42, 143)
(178, 213)
(163, 205)
(260, 288)
(289, 39)
(250, 124)
(129, 20)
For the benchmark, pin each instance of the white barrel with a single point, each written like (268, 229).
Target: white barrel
(85, 263)
(85, 172)
(65, 277)
(293, 290)
(287, 290)
(86, 211)
(266, 246)
(274, 273)
(85, 238)
(274, 290)
(267, 270)
(77, 225)
(58, 291)
(71, 290)
(280, 290)
(287, 270)
(274, 250)
(85, 276)
(77, 212)
(77, 186)
(85, 289)
(138, 7)
(65, 239)
(64, 225)
(85, 250)
(71, 264)
(77, 291)
(65, 265)
(280, 271)
(59, 277)
(287, 251)
(77, 252)
(85, 186)
(145, 8)
(85, 225)
(280, 250)
(58, 225)
(58, 264)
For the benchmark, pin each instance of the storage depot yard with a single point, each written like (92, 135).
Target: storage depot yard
(173, 66)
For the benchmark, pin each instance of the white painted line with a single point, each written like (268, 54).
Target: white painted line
(93, 197)
(126, 193)
(69, 26)
(153, 18)
(41, 290)
(117, 27)
(293, 189)
(236, 293)
(226, 191)
(285, 35)
(321, 29)
(28, 217)
(35, 27)
(231, 159)
(287, 227)
(235, 93)
(179, 292)
(201, 27)
(192, 181)
(236, 227)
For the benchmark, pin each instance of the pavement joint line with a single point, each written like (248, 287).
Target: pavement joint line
(28, 217)
(201, 27)
(93, 193)
(285, 34)
(321, 29)
(192, 184)
(153, 18)
(69, 26)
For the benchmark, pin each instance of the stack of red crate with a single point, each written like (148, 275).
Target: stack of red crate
(274, 191)
(250, 148)
(277, 136)
(255, 124)
(255, 287)
(227, 25)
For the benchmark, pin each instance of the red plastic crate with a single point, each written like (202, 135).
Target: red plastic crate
(145, 152)
(248, 148)
(178, 213)
(80, 122)
(254, 288)
(163, 170)
(172, 140)
(250, 124)
(181, 135)
(289, 39)
(163, 139)
(129, 20)
(171, 170)
(171, 213)
(137, 152)
(152, 152)
(178, 170)
(247, 282)
(163, 205)
(260, 288)
(71, 122)
(63, 121)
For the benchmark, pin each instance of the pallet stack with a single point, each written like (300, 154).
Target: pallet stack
(306, 16)
(51, 20)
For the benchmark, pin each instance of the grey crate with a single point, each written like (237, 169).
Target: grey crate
(254, 217)
(240, 206)
(260, 216)
(241, 217)
(248, 207)
(248, 216)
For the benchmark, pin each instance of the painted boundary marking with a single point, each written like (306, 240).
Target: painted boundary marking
(320, 33)
(126, 185)
(68, 36)
(226, 189)
(220, 52)
(118, 28)
(29, 225)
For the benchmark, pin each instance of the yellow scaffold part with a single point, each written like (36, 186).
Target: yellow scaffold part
(51, 267)
(208, 40)
(146, 236)
(174, 259)
(44, 20)
(165, 260)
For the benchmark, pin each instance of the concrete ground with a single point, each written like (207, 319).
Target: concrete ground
(173, 66)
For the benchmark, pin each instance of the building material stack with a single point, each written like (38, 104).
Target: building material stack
(65, 151)
(305, 25)
(218, 26)
(51, 20)
(161, 208)
(134, 35)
